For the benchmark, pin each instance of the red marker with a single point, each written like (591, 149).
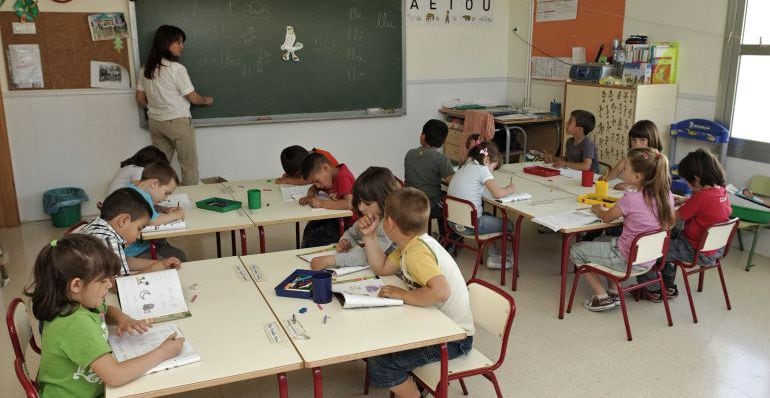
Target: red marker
(195, 296)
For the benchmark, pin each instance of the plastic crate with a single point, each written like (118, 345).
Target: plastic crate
(702, 130)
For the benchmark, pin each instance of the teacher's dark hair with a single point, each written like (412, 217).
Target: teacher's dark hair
(164, 37)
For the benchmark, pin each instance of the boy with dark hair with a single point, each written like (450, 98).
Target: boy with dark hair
(432, 278)
(124, 213)
(291, 161)
(425, 167)
(159, 180)
(337, 185)
(580, 150)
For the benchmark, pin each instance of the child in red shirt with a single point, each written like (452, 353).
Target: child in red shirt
(708, 205)
(336, 182)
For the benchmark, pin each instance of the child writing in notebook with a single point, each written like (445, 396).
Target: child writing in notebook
(643, 134)
(708, 205)
(580, 150)
(647, 205)
(470, 182)
(131, 169)
(370, 191)
(291, 161)
(336, 182)
(71, 279)
(432, 278)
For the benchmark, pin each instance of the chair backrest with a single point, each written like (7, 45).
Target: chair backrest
(75, 228)
(718, 236)
(460, 211)
(493, 310)
(650, 246)
(760, 185)
(30, 389)
(19, 328)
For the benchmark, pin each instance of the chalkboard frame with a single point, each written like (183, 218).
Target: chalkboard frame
(283, 118)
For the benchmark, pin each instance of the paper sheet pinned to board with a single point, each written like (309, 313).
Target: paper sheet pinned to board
(26, 69)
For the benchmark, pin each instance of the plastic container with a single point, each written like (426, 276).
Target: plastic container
(541, 171)
(220, 205)
(63, 204)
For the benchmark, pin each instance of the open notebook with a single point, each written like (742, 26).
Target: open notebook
(169, 226)
(362, 293)
(510, 198)
(156, 295)
(288, 192)
(128, 347)
(570, 219)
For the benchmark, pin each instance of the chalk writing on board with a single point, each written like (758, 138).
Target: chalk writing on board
(217, 9)
(385, 20)
(257, 9)
(323, 44)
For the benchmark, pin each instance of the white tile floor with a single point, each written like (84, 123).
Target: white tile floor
(727, 354)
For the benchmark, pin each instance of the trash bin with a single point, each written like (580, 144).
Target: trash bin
(63, 204)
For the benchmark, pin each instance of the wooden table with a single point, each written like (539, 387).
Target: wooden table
(517, 125)
(226, 328)
(354, 333)
(551, 195)
(277, 211)
(200, 221)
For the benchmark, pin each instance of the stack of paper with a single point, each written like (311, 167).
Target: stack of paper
(131, 346)
(570, 219)
(514, 197)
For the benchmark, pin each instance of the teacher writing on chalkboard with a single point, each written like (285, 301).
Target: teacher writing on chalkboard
(165, 89)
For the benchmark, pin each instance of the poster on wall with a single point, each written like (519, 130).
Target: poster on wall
(450, 12)
(556, 10)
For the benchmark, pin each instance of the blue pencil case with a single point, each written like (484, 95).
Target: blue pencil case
(299, 284)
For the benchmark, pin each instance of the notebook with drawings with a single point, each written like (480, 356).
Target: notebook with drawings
(156, 295)
(362, 293)
(127, 347)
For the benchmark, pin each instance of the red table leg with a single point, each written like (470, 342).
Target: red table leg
(516, 239)
(261, 239)
(219, 246)
(296, 234)
(244, 250)
(443, 384)
(153, 250)
(283, 386)
(566, 238)
(503, 251)
(318, 385)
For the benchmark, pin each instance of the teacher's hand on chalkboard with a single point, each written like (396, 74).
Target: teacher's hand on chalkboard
(197, 99)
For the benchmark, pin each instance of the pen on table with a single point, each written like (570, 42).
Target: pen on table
(325, 318)
(363, 278)
(294, 318)
(195, 296)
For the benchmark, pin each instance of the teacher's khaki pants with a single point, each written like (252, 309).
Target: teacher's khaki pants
(177, 135)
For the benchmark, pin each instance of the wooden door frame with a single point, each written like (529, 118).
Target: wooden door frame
(9, 207)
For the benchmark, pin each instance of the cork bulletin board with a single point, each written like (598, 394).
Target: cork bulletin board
(66, 48)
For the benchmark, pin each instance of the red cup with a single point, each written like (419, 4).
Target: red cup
(588, 178)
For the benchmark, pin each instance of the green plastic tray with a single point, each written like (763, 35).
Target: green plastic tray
(218, 204)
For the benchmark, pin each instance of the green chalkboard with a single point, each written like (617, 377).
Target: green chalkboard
(351, 60)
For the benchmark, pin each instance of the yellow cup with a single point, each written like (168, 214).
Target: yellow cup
(601, 188)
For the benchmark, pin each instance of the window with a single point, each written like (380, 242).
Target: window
(745, 78)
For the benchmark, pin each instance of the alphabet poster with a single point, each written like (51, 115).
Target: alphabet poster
(450, 12)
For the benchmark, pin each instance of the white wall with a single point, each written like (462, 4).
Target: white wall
(77, 137)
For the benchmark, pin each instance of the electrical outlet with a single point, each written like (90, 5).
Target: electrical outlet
(27, 28)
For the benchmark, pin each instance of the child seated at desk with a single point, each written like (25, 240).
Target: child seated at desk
(580, 150)
(425, 168)
(370, 191)
(71, 279)
(123, 215)
(158, 181)
(336, 182)
(643, 134)
(432, 278)
(131, 169)
(647, 206)
(291, 161)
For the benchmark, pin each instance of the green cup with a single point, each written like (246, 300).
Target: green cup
(255, 198)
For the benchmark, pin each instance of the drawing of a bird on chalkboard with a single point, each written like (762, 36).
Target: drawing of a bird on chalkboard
(291, 45)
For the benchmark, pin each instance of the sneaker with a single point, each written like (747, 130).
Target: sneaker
(672, 292)
(615, 297)
(493, 262)
(596, 304)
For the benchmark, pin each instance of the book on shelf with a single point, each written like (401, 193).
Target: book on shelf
(169, 226)
(637, 73)
(131, 346)
(362, 293)
(157, 295)
(664, 62)
(566, 220)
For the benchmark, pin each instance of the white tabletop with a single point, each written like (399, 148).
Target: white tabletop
(200, 221)
(278, 211)
(353, 333)
(227, 330)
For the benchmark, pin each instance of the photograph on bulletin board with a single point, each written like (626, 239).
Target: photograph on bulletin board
(590, 25)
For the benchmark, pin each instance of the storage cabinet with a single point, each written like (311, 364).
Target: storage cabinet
(616, 109)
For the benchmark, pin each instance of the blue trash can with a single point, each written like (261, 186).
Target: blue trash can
(63, 204)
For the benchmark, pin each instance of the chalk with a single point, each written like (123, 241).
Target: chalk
(264, 118)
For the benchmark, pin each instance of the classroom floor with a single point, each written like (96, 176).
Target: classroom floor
(727, 354)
